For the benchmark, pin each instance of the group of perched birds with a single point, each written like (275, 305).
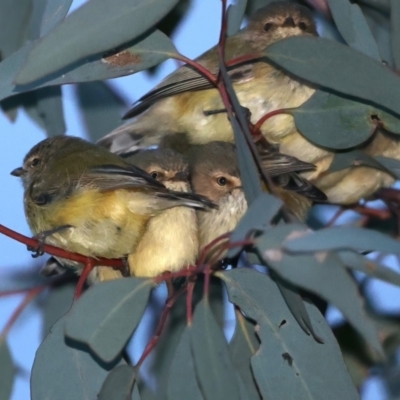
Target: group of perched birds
(159, 207)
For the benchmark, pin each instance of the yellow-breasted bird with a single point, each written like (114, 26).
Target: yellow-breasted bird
(170, 241)
(84, 199)
(179, 103)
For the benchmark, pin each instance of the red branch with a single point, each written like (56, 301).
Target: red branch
(56, 251)
(32, 293)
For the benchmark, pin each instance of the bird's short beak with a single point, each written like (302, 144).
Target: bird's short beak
(289, 22)
(17, 171)
(180, 177)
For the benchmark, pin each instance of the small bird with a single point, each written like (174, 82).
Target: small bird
(86, 200)
(215, 174)
(179, 109)
(170, 241)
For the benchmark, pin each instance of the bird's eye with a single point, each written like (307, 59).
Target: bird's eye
(154, 174)
(222, 181)
(267, 26)
(303, 26)
(35, 162)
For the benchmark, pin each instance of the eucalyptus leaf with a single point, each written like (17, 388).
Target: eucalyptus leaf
(334, 122)
(235, 16)
(354, 158)
(343, 238)
(395, 31)
(247, 166)
(335, 66)
(101, 107)
(8, 69)
(105, 317)
(259, 214)
(182, 383)
(360, 263)
(118, 384)
(215, 372)
(54, 13)
(353, 27)
(296, 305)
(58, 303)
(50, 109)
(117, 22)
(136, 56)
(61, 369)
(7, 369)
(242, 347)
(380, 27)
(288, 361)
(14, 18)
(391, 164)
(320, 273)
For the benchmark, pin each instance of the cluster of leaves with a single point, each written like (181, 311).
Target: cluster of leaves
(281, 343)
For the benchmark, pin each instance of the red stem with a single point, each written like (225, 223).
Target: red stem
(56, 251)
(32, 293)
(82, 279)
(19, 291)
(161, 324)
(261, 121)
(204, 71)
(189, 302)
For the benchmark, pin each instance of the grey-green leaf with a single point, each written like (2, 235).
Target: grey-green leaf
(118, 384)
(334, 122)
(7, 369)
(215, 372)
(61, 369)
(395, 31)
(242, 347)
(105, 317)
(117, 22)
(235, 16)
(247, 166)
(343, 238)
(360, 263)
(288, 362)
(50, 109)
(54, 12)
(14, 22)
(390, 164)
(182, 383)
(137, 56)
(336, 66)
(354, 158)
(101, 107)
(57, 304)
(258, 215)
(353, 27)
(320, 273)
(8, 68)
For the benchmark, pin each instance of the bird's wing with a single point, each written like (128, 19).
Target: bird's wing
(187, 79)
(275, 163)
(294, 182)
(283, 170)
(112, 177)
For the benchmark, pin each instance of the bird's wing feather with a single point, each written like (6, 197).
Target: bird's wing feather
(186, 79)
(112, 177)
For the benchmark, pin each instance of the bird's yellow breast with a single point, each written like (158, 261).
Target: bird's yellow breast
(104, 224)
